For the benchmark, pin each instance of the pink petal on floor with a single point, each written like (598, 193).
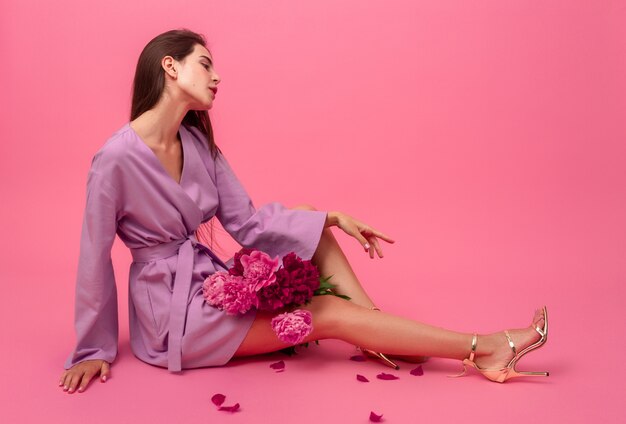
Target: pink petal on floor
(375, 418)
(218, 399)
(280, 365)
(417, 370)
(362, 378)
(358, 358)
(385, 376)
(233, 408)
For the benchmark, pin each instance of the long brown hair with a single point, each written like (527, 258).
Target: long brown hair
(149, 84)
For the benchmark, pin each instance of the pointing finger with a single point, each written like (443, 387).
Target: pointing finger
(384, 236)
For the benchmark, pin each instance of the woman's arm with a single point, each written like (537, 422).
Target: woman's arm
(272, 228)
(95, 311)
(331, 219)
(364, 233)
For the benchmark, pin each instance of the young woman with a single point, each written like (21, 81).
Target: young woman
(158, 181)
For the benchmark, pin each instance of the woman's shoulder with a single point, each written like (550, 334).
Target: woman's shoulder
(111, 155)
(117, 143)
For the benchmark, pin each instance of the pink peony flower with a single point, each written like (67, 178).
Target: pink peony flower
(259, 269)
(293, 327)
(238, 295)
(231, 293)
(213, 288)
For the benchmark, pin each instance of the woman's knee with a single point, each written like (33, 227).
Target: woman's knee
(330, 315)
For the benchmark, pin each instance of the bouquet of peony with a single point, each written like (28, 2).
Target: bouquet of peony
(257, 281)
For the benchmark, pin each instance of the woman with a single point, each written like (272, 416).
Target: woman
(157, 182)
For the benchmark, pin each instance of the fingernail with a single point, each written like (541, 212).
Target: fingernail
(104, 378)
(367, 246)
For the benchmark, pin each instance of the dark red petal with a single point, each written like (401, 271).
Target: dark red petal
(362, 378)
(278, 365)
(375, 418)
(233, 408)
(417, 370)
(358, 358)
(385, 376)
(218, 399)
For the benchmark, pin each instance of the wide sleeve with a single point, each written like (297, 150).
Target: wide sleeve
(273, 228)
(96, 318)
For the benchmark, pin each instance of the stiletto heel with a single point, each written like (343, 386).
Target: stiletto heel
(500, 375)
(380, 356)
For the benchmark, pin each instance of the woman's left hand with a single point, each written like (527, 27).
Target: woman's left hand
(366, 235)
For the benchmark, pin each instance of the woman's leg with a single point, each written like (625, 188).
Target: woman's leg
(330, 260)
(336, 318)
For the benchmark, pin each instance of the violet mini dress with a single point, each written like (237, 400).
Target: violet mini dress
(129, 193)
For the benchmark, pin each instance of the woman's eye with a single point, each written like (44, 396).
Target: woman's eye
(206, 66)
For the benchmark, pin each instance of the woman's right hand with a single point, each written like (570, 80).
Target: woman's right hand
(82, 373)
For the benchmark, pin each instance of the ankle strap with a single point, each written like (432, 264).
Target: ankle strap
(539, 330)
(511, 344)
(474, 341)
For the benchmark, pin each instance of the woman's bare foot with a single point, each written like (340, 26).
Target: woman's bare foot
(493, 350)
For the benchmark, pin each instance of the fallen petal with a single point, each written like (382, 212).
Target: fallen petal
(280, 365)
(417, 370)
(218, 399)
(385, 376)
(362, 378)
(375, 418)
(358, 358)
(233, 408)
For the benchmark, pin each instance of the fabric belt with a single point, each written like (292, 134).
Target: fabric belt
(182, 287)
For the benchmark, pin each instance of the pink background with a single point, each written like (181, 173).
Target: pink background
(486, 137)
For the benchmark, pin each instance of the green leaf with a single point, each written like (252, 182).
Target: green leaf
(324, 280)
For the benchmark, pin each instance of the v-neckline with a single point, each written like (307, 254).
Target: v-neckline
(158, 161)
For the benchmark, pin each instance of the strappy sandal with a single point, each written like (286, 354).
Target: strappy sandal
(500, 375)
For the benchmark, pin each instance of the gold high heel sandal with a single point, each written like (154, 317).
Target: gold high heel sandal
(500, 375)
(380, 356)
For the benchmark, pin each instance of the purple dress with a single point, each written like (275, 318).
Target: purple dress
(129, 193)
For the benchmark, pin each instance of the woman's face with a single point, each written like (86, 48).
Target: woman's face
(197, 79)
